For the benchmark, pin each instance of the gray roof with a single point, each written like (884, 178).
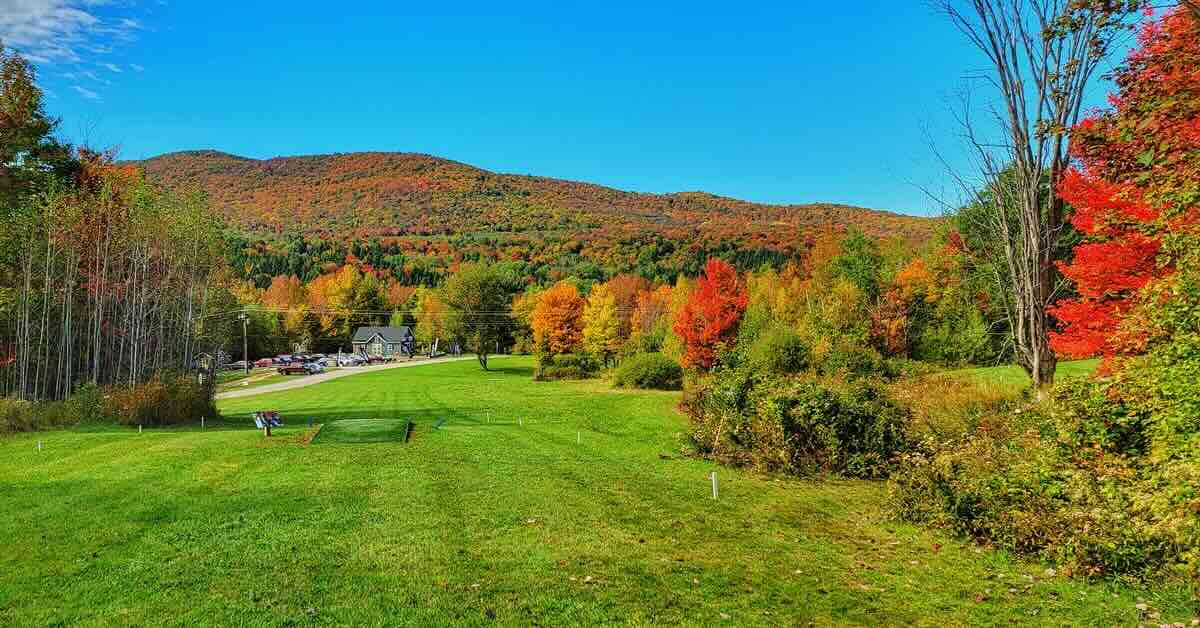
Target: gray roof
(389, 334)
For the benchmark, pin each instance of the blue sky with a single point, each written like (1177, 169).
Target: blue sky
(771, 102)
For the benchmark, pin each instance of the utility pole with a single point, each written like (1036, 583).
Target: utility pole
(245, 354)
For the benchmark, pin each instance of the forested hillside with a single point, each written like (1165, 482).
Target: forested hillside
(426, 215)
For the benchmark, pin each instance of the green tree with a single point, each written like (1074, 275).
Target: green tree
(28, 151)
(478, 299)
(860, 263)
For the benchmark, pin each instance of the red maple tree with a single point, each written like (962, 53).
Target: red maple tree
(1135, 184)
(709, 320)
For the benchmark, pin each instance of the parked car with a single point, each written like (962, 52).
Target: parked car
(294, 369)
(314, 368)
(375, 359)
(328, 362)
(349, 360)
(264, 363)
(240, 365)
(283, 359)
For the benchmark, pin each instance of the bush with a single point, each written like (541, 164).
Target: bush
(165, 400)
(945, 407)
(797, 425)
(651, 371)
(844, 355)
(24, 416)
(779, 350)
(565, 366)
(1099, 479)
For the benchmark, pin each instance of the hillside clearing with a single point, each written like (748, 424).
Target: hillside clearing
(550, 503)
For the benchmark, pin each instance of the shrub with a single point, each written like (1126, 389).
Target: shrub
(24, 416)
(17, 416)
(779, 350)
(651, 371)
(845, 355)
(565, 366)
(797, 425)
(1098, 479)
(165, 400)
(946, 407)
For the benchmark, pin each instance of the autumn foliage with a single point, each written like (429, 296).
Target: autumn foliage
(1135, 185)
(709, 320)
(602, 335)
(558, 319)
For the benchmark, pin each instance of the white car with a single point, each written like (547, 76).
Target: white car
(349, 360)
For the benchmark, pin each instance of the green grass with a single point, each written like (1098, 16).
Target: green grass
(1014, 376)
(501, 516)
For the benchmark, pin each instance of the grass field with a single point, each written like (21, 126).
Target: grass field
(1012, 375)
(534, 503)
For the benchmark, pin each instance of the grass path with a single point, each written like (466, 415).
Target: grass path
(500, 517)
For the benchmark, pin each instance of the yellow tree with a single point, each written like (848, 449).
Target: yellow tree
(673, 346)
(558, 319)
(431, 316)
(601, 325)
(522, 309)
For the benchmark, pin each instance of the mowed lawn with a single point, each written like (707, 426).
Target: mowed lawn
(1013, 376)
(533, 504)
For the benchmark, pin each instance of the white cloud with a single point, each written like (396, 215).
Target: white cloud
(62, 31)
(86, 93)
(136, 68)
(88, 74)
(70, 32)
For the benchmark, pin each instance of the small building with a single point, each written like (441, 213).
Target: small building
(384, 342)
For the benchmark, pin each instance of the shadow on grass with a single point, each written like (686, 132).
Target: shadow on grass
(499, 368)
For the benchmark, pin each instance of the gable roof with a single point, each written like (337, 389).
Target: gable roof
(389, 334)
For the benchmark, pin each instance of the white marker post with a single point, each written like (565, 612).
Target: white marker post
(578, 438)
(139, 428)
(39, 445)
(714, 483)
(201, 422)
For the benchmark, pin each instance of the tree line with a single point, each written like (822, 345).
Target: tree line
(104, 279)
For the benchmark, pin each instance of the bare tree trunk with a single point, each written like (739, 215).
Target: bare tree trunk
(1043, 55)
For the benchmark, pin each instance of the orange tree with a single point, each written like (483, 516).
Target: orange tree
(558, 319)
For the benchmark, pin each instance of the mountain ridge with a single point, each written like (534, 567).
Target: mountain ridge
(234, 156)
(368, 194)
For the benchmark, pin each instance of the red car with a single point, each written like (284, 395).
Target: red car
(264, 363)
